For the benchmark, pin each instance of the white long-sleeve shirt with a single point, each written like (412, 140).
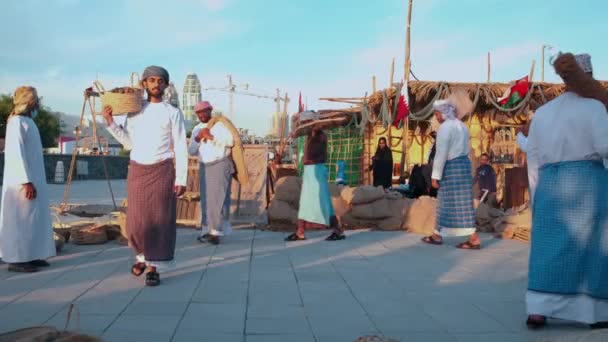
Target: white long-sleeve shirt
(452, 142)
(211, 150)
(155, 134)
(569, 128)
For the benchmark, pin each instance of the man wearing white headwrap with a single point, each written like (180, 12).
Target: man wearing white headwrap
(568, 268)
(452, 175)
(26, 231)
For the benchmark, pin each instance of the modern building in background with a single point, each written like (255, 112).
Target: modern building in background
(171, 95)
(275, 126)
(190, 97)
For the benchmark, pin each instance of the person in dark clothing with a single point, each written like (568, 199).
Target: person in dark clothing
(382, 165)
(428, 169)
(485, 176)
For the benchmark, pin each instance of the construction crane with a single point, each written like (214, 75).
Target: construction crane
(231, 89)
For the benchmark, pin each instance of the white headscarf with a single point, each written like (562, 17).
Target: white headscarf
(446, 108)
(584, 61)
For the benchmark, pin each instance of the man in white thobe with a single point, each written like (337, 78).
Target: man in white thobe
(216, 167)
(26, 231)
(568, 256)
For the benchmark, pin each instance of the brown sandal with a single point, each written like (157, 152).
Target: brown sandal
(138, 268)
(468, 245)
(431, 240)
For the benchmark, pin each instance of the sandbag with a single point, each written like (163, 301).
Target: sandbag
(523, 219)
(335, 189)
(391, 223)
(420, 217)
(288, 190)
(367, 194)
(351, 222)
(341, 208)
(377, 210)
(347, 194)
(282, 211)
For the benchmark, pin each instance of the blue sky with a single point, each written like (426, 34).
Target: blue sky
(322, 48)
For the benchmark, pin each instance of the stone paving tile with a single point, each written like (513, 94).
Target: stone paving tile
(462, 317)
(255, 283)
(156, 308)
(183, 335)
(88, 324)
(277, 325)
(280, 338)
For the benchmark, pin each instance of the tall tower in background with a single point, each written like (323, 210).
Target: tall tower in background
(191, 96)
(171, 95)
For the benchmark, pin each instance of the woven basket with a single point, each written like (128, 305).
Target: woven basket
(59, 242)
(122, 104)
(89, 236)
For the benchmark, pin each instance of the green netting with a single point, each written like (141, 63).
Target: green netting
(345, 144)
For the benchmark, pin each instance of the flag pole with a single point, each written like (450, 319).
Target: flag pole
(489, 66)
(406, 79)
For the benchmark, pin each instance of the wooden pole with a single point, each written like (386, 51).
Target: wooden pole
(373, 84)
(406, 79)
(489, 67)
(392, 73)
(406, 65)
(542, 68)
(531, 78)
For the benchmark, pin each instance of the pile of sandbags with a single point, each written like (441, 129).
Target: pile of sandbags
(283, 208)
(514, 223)
(372, 207)
(421, 216)
(355, 207)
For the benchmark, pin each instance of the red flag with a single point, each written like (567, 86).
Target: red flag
(402, 111)
(515, 93)
(300, 104)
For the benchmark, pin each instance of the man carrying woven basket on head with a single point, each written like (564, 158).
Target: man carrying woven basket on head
(156, 137)
(26, 231)
(568, 268)
(316, 210)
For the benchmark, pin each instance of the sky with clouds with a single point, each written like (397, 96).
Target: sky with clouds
(323, 48)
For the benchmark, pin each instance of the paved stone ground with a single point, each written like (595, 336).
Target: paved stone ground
(256, 287)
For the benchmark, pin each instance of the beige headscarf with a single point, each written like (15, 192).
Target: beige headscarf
(25, 99)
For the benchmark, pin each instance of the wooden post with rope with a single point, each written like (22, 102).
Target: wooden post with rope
(373, 84)
(406, 78)
(489, 67)
(390, 84)
(532, 71)
(66, 193)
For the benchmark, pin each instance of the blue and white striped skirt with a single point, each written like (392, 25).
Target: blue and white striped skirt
(455, 213)
(569, 248)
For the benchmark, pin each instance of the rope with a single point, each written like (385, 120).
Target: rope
(427, 111)
(66, 191)
(103, 157)
(522, 103)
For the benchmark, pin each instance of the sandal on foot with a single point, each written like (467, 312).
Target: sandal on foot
(599, 325)
(39, 263)
(22, 267)
(152, 278)
(468, 245)
(536, 323)
(431, 240)
(138, 269)
(335, 237)
(294, 237)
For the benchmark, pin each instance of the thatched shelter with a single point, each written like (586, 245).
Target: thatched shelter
(370, 118)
